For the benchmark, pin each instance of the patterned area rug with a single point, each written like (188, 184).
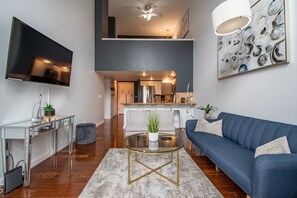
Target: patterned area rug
(111, 177)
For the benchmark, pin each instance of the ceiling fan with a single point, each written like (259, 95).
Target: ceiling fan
(148, 11)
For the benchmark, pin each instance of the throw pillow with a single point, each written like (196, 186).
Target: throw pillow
(212, 128)
(277, 146)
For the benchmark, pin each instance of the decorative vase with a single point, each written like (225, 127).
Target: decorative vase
(153, 136)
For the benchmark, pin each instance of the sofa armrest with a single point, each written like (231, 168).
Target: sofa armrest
(274, 175)
(190, 125)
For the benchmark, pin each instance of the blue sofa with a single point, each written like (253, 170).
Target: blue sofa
(266, 176)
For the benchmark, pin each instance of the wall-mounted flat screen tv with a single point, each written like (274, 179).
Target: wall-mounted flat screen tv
(33, 56)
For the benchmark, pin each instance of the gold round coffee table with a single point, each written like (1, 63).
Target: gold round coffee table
(167, 143)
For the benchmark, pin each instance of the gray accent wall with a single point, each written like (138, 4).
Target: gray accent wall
(142, 55)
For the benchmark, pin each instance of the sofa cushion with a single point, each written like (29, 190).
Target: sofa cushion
(206, 140)
(233, 159)
(212, 128)
(236, 162)
(277, 146)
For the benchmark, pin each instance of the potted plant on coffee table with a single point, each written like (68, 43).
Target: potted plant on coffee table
(153, 126)
(208, 110)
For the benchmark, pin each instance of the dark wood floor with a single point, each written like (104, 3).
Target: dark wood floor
(66, 175)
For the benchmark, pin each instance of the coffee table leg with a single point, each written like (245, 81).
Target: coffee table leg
(177, 168)
(129, 153)
(153, 170)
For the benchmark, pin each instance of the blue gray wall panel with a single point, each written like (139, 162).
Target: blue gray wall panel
(132, 55)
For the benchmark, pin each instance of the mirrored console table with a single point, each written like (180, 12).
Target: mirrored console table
(27, 130)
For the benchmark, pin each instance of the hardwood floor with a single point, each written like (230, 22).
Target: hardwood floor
(66, 175)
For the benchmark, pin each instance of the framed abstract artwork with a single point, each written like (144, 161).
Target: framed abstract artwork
(263, 43)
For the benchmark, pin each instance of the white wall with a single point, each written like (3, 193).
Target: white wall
(269, 93)
(107, 99)
(70, 23)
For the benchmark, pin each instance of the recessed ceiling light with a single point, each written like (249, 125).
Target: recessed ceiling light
(46, 61)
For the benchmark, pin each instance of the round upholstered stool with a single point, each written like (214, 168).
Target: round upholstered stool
(85, 133)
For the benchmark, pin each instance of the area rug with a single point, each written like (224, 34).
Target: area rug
(110, 178)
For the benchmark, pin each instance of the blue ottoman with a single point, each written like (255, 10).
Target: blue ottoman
(85, 133)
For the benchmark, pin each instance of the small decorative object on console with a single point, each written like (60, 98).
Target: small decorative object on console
(36, 112)
(49, 111)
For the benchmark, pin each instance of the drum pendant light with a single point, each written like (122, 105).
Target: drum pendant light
(231, 16)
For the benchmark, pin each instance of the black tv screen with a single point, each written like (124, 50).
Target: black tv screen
(33, 56)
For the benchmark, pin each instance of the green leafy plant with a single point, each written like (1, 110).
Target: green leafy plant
(48, 107)
(208, 108)
(153, 123)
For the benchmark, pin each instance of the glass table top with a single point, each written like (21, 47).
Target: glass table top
(29, 123)
(166, 143)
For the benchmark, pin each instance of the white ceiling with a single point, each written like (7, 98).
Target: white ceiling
(129, 23)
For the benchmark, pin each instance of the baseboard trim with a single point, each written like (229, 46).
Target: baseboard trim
(99, 123)
(46, 155)
(41, 158)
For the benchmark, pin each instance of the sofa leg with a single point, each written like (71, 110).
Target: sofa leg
(217, 168)
(191, 148)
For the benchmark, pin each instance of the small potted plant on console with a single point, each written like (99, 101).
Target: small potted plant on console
(49, 111)
(153, 126)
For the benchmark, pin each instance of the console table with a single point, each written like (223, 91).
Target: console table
(26, 130)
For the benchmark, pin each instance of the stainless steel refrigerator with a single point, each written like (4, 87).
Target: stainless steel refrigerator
(146, 94)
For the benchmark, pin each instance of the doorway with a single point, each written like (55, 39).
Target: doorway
(125, 94)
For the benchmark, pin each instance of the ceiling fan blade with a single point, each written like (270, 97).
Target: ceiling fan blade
(153, 14)
(150, 11)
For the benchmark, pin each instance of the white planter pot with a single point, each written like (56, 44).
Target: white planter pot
(153, 136)
(207, 115)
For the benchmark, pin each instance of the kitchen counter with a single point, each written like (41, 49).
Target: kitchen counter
(157, 103)
(182, 111)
